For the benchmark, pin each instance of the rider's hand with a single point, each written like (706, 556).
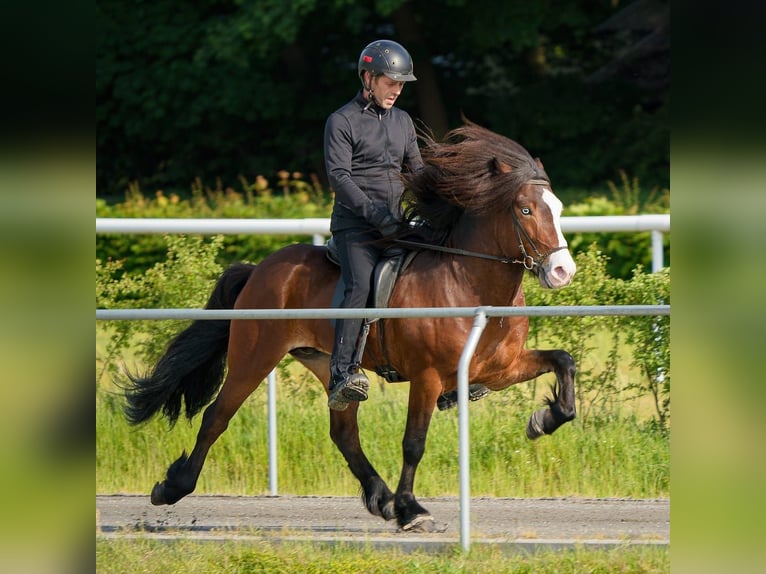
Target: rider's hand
(384, 220)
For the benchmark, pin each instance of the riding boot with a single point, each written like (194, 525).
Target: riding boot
(347, 382)
(449, 400)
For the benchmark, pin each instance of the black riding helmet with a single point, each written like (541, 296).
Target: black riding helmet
(386, 57)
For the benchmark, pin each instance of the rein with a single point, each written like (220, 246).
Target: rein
(527, 260)
(455, 251)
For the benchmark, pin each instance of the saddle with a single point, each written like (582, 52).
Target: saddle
(392, 263)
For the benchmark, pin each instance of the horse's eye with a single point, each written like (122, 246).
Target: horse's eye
(525, 211)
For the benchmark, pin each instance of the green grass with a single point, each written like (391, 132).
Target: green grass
(622, 456)
(188, 557)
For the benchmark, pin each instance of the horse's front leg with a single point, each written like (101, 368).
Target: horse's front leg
(344, 432)
(561, 407)
(410, 515)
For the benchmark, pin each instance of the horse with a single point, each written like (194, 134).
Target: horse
(492, 204)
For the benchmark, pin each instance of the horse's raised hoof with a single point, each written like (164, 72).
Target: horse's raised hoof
(535, 425)
(423, 523)
(158, 494)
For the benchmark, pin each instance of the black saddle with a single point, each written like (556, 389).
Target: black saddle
(394, 261)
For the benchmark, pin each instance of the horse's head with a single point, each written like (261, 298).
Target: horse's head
(492, 179)
(536, 214)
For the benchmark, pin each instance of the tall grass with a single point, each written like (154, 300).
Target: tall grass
(622, 456)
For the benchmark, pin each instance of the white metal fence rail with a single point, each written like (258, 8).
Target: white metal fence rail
(480, 315)
(319, 228)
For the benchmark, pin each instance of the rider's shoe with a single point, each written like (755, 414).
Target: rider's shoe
(352, 386)
(449, 400)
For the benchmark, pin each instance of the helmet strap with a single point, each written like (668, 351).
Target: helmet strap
(370, 91)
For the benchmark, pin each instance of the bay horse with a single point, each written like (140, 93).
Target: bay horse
(493, 204)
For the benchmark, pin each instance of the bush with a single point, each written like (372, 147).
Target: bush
(626, 250)
(643, 341)
(650, 340)
(183, 280)
(291, 198)
(599, 344)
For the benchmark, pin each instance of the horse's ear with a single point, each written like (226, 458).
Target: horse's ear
(497, 166)
(539, 164)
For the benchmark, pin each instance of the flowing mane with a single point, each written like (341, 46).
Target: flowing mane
(473, 171)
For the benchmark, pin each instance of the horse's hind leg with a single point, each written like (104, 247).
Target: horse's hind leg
(561, 407)
(182, 475)
(248, 366)
(344, 432)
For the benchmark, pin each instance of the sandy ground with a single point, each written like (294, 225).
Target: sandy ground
(525, 522)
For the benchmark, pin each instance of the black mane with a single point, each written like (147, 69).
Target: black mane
(474, 170)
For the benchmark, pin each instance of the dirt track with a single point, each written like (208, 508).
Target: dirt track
(523, 522)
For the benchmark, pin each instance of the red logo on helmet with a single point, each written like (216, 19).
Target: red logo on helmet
(367, 59)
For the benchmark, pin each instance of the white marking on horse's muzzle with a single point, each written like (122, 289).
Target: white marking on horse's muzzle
(559, 269)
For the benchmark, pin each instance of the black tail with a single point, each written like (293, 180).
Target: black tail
(192, 367)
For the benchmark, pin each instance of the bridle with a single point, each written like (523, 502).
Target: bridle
(529, 262)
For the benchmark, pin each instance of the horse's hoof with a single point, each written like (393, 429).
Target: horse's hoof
(423, 523)
(535, 425)
(387, 511)
(158, 494)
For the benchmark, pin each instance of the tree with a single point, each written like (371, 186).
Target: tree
(220, 88)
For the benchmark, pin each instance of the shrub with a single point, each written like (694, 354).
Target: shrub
(600, 345)
(626, 250)
(650, 340)
(183, 280)
(642, 341)
(292, 198)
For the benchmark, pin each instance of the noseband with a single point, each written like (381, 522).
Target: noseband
(528, 261)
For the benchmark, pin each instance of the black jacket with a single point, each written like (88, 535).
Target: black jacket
(365, 151)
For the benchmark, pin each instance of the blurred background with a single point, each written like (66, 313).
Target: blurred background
(223, 89)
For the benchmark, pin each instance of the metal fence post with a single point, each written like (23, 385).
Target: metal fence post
(479, 323)
(271, 383)
(657, 250)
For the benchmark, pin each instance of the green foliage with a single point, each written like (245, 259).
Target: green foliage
(625, 250)
(184, 279)
(293, 196)
(650, 340)
(290, 197)
(229, 87)
(118, 555)
(579, 335)
(645, 340)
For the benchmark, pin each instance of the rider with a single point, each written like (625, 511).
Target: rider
(367, 144)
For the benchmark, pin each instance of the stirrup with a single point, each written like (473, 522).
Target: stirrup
(449, 400)
(352, 388)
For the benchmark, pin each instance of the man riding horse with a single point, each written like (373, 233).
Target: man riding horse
(367, 143)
